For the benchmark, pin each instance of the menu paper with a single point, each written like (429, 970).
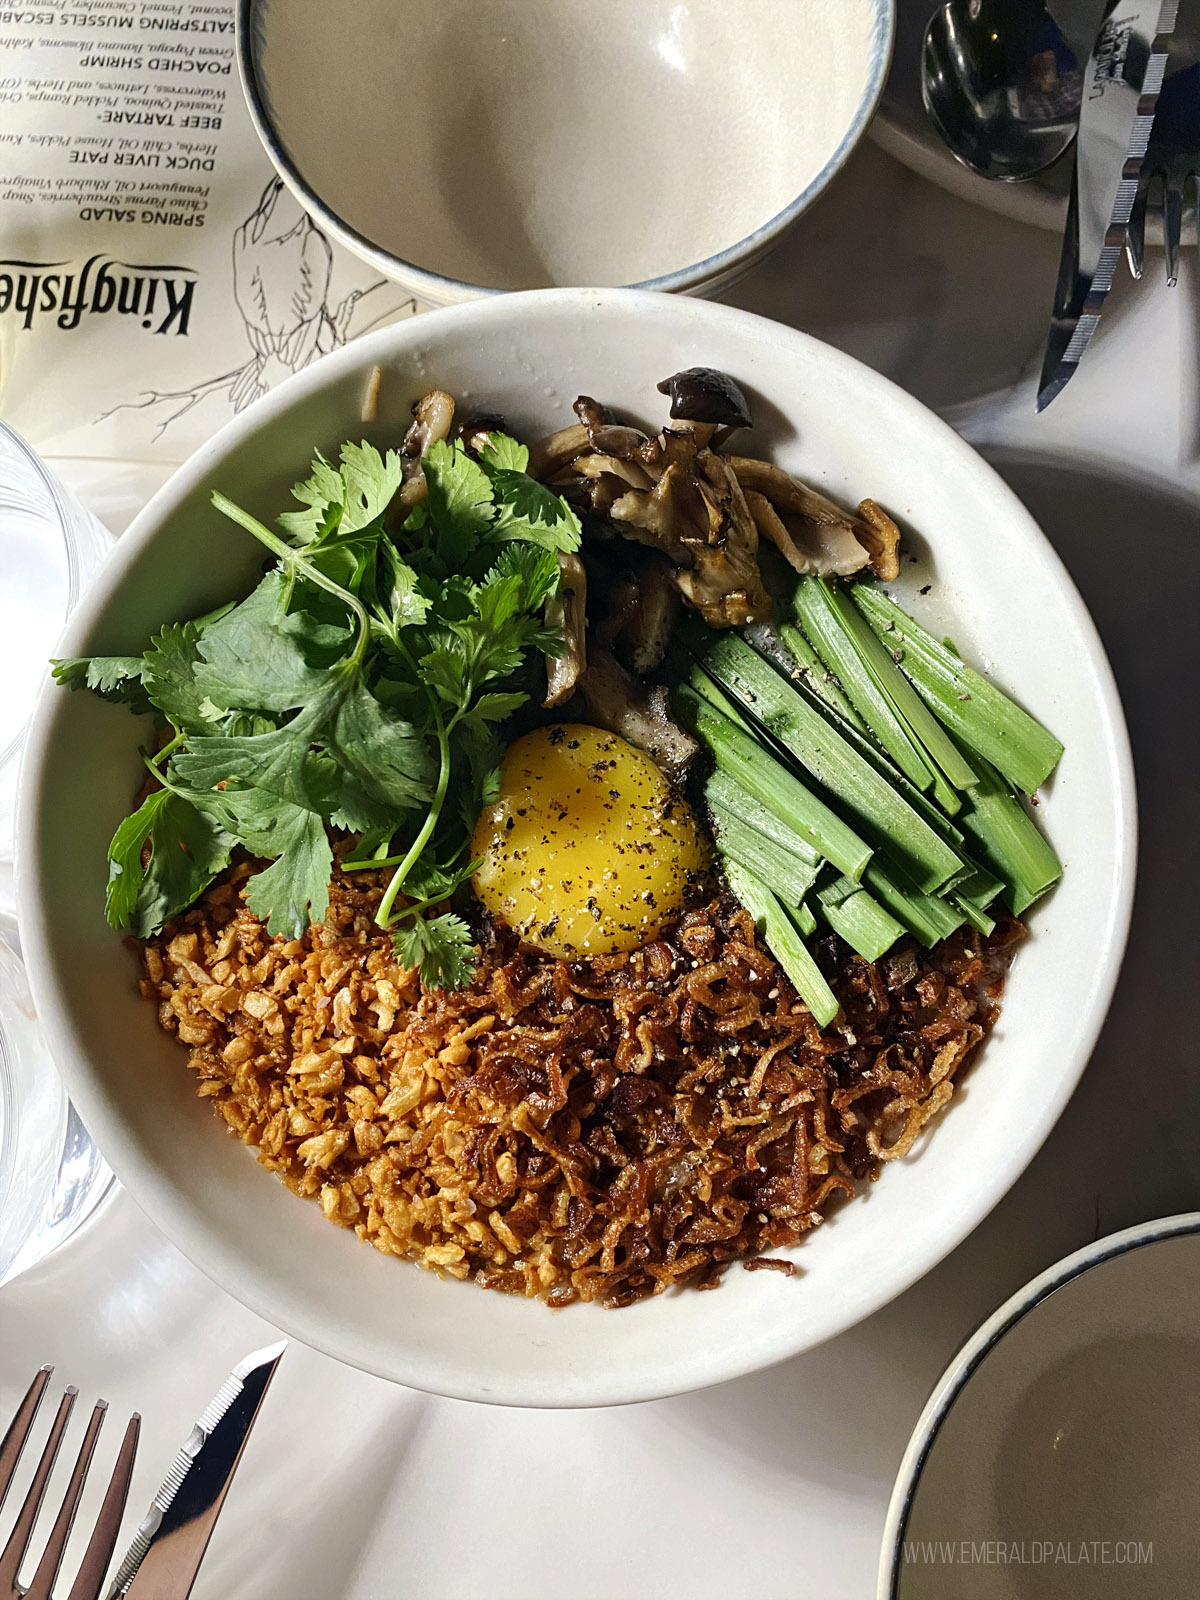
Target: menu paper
(155, 275)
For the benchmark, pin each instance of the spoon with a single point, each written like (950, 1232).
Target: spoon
(1002, 84)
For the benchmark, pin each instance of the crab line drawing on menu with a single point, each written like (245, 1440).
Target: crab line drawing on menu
(282, 280)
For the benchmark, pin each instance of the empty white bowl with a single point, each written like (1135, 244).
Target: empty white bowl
(997, 585)
(466, 148)
(1059, 1452)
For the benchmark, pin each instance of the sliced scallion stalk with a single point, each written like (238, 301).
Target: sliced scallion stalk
(803, 918)
(782, 938)
(978, 918)
(855, 734)
(980, 887)
(927, 917)
(756, 770)
(1009, 841)
(922, 804)
(986, 720)
(790, 878)
(939, 748)
(725, 795)
(704, 686)
(861, 921)
(790, 715)
(819, 677)
(821, 619)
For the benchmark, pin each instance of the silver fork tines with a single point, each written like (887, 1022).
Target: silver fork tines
(90, 1577)
(1172, 160)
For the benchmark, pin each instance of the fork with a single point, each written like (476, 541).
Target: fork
(1172, 157)
(90, 1577)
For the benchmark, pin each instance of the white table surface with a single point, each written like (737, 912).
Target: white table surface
(774, 1485)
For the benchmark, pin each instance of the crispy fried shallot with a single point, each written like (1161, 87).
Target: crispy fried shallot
(594, 1130)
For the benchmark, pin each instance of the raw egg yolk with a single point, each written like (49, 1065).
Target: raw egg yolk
(588, 850)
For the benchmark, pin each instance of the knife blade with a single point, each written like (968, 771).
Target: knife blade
(1121, 85)
(166, 1552)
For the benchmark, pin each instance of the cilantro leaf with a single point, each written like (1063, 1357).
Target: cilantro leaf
(344, 500)
(371, 482)
(374, 766)
(352, 809)
(187, 850)
(294, 890)
(389, 758)
(277, 762)
(453, 600)
(441, 948)
(537, 568)
(459, 502)
(169, 674)
(427, 880)
(502, 452)
(125, 871)
(489, 708)
(254, 656)
(444, 668)
(296, 886)
(488, 786)
(114, 678)
(527, 509)
(481, 753)
(498, 600)
(392, 589)
(323, 494)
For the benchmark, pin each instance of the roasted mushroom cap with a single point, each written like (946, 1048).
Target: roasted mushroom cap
(476, 431)
(672, 494)
(704, 511)
(702, 394)
(882, 538)
(824, 549)
(433, 418)
(552, 454)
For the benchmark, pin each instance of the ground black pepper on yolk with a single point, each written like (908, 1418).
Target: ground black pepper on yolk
(588, 850)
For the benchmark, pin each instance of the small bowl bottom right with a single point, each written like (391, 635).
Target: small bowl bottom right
(1059, 1454)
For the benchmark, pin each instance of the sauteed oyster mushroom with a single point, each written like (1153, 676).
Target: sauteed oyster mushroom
(433, 418)
(638, 712)
(816, 536)
(704, 510)
(567, 612)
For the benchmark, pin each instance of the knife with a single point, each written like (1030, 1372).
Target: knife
(162, 1561)
(1120, 89)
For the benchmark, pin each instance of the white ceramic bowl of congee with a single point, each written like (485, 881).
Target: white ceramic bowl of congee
(465, 148)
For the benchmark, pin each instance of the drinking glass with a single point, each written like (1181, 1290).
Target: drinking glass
(51, 1175)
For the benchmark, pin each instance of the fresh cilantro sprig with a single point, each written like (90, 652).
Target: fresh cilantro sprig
(362, 686)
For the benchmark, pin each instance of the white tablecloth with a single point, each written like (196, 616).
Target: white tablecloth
(774, 1485)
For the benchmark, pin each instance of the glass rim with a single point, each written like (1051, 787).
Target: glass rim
(70, 545)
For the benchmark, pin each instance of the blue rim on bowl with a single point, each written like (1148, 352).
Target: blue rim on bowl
(707, 276)
(976, 1351)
